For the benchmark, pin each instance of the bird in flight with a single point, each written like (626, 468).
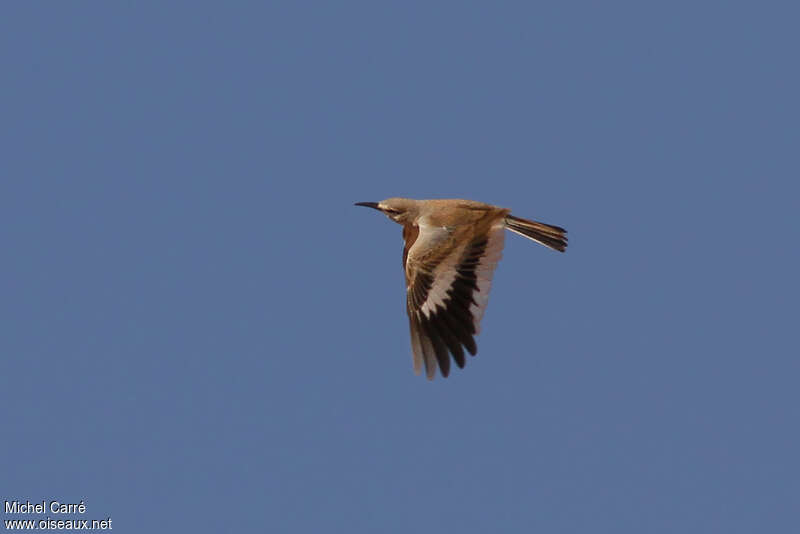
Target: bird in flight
(452, 247)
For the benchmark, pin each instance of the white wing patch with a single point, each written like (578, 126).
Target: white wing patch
(446, 272)
(484, 273)
(437, 296)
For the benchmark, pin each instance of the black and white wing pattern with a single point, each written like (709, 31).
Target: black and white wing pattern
(448, 278)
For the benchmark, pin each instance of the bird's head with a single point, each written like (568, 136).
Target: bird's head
(400, 210)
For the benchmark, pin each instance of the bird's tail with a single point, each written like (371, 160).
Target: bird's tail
(545, 234)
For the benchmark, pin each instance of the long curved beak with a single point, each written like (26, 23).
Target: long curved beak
(373, 205)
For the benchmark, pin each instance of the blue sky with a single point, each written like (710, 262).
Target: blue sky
(199, 332)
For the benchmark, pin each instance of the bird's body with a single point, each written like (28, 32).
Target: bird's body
(452, 247)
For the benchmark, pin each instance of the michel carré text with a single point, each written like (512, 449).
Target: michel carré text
(55, 507)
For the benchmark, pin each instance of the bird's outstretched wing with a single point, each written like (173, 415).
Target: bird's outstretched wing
(448, 278)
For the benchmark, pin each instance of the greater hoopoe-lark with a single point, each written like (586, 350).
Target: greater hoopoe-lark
(452, 247)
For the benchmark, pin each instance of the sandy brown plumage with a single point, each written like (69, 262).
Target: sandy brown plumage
(451, 250)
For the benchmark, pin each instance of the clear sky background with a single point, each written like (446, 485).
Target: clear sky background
(200, 333)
